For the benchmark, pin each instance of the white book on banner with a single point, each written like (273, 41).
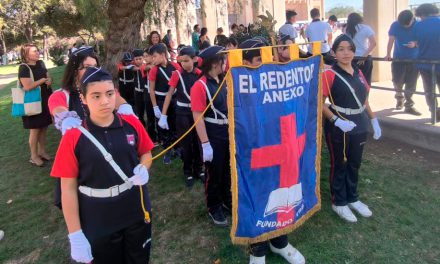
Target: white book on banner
(283, 200)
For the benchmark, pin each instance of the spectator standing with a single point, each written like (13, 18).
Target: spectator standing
(333, 22)
(365, 41)
(220, 39)
(401, 34)
(428, 39)
(153, 38)
(234, 29)
(288, 28)
(319, 31)
(203, 37)
(195, 37)
(32, 74)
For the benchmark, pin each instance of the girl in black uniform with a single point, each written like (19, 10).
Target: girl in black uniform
(346, 128)
(213, 133)
(98, 164)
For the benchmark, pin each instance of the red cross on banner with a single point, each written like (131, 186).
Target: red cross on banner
(286, 155)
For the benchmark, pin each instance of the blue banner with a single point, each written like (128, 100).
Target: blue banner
(275, 133)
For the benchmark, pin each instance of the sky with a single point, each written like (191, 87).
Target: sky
(329, 4)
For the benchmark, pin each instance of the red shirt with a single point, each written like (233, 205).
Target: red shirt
(175, 79)
(152, 76)
(328, 78)
(66, 161)
(198, 96)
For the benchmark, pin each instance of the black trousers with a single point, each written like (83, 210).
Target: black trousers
(128, 246)
(191, 156)
(344, 174)
(167, 136)
(139, 102)
(218, 176)
(127, 92)
(429, 88)
(366, 68)
(151, 119)
(260, 249)
(404, 74)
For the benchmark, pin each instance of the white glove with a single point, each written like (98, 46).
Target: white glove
(126, 109)
(66, 120)
(163, 123)
(140, 176)
(208, 152)
(80, 248)
(376, 128)
(345, 125)
(157, 111)
(69, 123)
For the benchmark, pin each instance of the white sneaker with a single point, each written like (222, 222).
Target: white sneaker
(2, 234)
(289, 253)
(257, 260)
(345, 213)
(361, 208)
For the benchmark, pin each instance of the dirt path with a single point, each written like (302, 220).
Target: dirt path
(5, 79)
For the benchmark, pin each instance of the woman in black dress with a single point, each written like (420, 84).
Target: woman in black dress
(36, 124)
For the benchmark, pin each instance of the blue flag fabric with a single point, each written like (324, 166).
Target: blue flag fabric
(275, 133)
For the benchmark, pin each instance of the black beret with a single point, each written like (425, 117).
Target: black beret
(210, 51)
(94, 74)
(127, 56)
(251, 43)
(138, 52)
(83, 50)
(187, 50)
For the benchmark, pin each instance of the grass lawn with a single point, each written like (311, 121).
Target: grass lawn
(13, 68)
(401, 187)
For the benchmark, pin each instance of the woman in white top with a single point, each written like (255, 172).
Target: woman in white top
(365, 42)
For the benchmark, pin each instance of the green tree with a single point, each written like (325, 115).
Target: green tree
(342, 11)
(21, 16)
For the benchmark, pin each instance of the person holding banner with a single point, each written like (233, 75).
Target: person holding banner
(212, 131)
(280, 244)
(346, 128)
(101, 204)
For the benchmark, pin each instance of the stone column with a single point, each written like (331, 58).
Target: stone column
(215, 15)
(186, 19)
(380, 15)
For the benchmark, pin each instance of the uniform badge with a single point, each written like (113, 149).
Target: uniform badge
(131, 139)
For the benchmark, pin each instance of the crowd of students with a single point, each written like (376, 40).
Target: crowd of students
(109, 132)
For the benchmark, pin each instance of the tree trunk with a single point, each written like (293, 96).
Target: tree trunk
(125, 19)
(2, 36)
(177, 20)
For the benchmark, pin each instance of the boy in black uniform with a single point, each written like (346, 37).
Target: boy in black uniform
(126, 78)
(151, 119)
(139, 89)
(180, 83)
(159, 77)
(280, 244)
(98, 164)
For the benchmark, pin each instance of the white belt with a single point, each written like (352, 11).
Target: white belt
(138, 90)
(348, 111)
(160, 93)
(122, 80)
(216, 121)
(183, 104)
(106, 193)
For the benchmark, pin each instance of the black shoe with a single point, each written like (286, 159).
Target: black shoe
(412, 111)
(218, 217)
(399, 105)
(189, 181)
(202, 177)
